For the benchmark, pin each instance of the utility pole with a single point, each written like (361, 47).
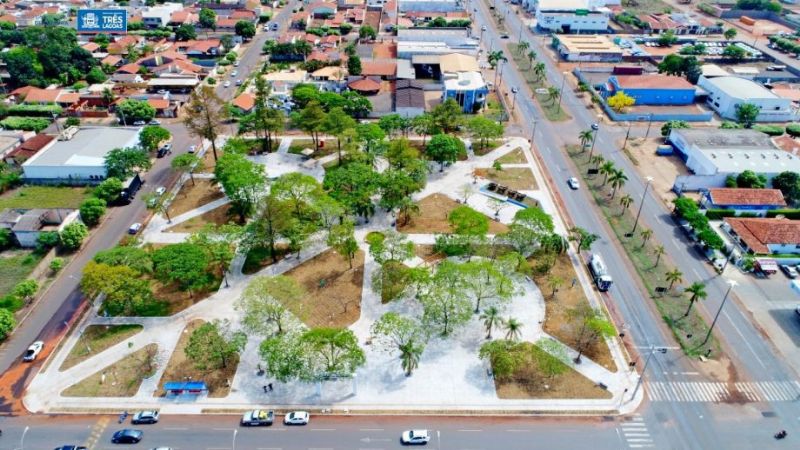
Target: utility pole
(641, 204)
(650, 353)
(731, 284)
(649, 122)
(627, 135)
(561, 91)
(514, 91)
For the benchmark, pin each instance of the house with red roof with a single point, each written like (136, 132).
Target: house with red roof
(365, 86)
(743, 201)
(131, 68)
(762, 236)
(163, 107)
(27, 149)
(385, 70)
(244, 102)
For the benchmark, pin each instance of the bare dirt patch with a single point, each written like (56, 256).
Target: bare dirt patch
(516, 156)
(217, 216)
(432, 217)
(193, 196)
(663, 169)
(557, 322)
(181, 368)
(427, 253)
(333, 290)
(516, 178)
(121, 379)
(97, 338)
(208, 163)
(176, 300)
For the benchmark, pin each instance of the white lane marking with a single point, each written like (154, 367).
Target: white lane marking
(470, 431)
(370, 429)
(323, 429)
(746, 342)
(176, 428)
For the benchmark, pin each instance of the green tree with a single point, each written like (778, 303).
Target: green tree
(274, 221)
(336, 122)
(108, 189)
(584, 238)
(667, 128)
(592, 327)
(619, 101)
(136, 258)
(311, 120)
(208, 18)
(243, 181)
(410, 354)
(394, 331)
(746, 114)
(625, 201)
(185, 32)
(353, 186)
(333, 352)
(659, 252)
(245, 29)
(56, 264)
(186, 163)
(47, 240)
(72, 235)
(734, 52)
(395, 185)
(96, 75)
(491, 319)
(646, 234)
(23, 66)
(25, 290)
(185, 264)
(466, 221)
(483, 129)
(447, 116)
(503, 358)
(529, 228)
(425, 125)
(696, 291)
(789, 184)
(92, 209)
(205, 114)
(730, 33)
(366, 32)
(513, 329)
(484, 281)
(390, 245)
(122, 163)
(444, 148)
(444, 304)
(299, 190)
(673, 276)
(585, 137)
(667, 39)
(265, 302)
(617, 180)
(354, 65)
(751, 180)
(553, 93)
(342, 239)
(152, 136)
(7, 323)
(213, 345)
(132, 110)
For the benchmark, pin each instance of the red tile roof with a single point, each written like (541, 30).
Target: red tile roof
(90, 47)
(757, 233)
(364, 85)
(158, 103)
(378, 68)
(753, 197)
(245, 102)
(129, 68)
(31, 146)
(653, 81)
(226, 23)
(111, 60)
(37, 95)
(243, 14)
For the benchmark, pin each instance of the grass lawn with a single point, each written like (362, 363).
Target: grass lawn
(258, 258)
(635, 7)
(516, 178)
(333, 290)
(490, 145)
(122, 379)
(180, 368)
(192, 196)
(552, 109)
(95, 339)
(174, 300)
(494, 108)
(217, 216)
(432, 217)
(15, 266)
(298, 145)
(528, 382)
(29, 197)
(689, 331)
(516, 156)
(556, 320)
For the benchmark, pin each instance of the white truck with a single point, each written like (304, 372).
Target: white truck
(257, 417)
(600, 274)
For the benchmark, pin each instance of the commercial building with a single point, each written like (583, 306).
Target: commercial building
(725, 94)
(762, 236)
(79, 157)
(409, 98)
(467, 88)
(712, 155)
(571, 16)
(159, 16)
(430, 5)
(589, 47)
(743, 201)
(651, 89)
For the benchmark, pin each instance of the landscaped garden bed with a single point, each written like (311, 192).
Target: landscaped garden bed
(97, 338)
(121, 379)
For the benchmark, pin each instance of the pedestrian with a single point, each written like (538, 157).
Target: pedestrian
(265, 389)
(270, 387)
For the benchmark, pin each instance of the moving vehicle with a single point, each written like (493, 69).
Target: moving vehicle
(573, 183)
(415, 437)
(71, 447)
(127, 436)
(145, 417)
(595, 126)
(135, 228)
(192, 148)
(162, 152)
(160, 190)
(257, 417)
(790, 271)
(599, 273)
(33, 351)
(236, 64)
(154, 122)
(234, 73)
(275, 26)
(238, 82)
(296, 418)
(139, 123)
(129, 188)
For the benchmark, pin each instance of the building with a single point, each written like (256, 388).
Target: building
(160, 16)
(435, 41)
(245, 103)
(589, 47)
(714, 154)
(467, 88)
(762, 236)
(364, 86)
(27, 225)
(651, 89)
(743, 201)
(80, 157)
(430, 5)
(725, 94)
(409, 98)
(571, 16)
(27, 149)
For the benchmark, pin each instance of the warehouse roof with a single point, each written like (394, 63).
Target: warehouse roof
(741, 88)
(588, 43)
(88, 147)
(652, 82)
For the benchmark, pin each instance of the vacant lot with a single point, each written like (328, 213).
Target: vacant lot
(217, 216)
(29, 197)
(180, 368)
(432, 217)
(516, 178)
(121, 379)
(15, 266)
(192, 196)
(95, 339)
(333, 290)
(516, 156)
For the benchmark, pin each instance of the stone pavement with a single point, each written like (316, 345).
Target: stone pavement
(450, 375)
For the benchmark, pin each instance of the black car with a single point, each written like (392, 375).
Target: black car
(127, 436)
(162, 152)
(71, 447)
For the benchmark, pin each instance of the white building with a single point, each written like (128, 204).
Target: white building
(430, 5)
(158, 16)
(80, 159)
(726, 93)
(571, 16)
(435, 41)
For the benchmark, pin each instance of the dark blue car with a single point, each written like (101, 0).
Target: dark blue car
(127, 436)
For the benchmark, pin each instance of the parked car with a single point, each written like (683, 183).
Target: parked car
(573, 183)
(275, 26)
(154, 122)
(257, 417)
(234, 73)
(227, 83)
(33, 351)
(595, 126)
(415, 437)
(145, 417)
(296, 418)
(160, 190)
(139, 123)
(71, 447)
(135, 228)
(192, 148)
(236, 64)
(504, 36)
(238, 82)
(127, 436)
(162, 152)
(790, 271)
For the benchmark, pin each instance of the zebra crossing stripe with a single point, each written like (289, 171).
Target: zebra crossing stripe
(759, 391)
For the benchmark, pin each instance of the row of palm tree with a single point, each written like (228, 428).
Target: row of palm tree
(491, 319)
(539, 69)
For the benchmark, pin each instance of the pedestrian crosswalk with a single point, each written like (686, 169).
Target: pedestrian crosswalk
(701, 391)
(634, 431)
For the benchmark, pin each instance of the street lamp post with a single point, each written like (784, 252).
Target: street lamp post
(561, 91)
(627, 135)
(653, 349)
(641, 203)
(731, 284)
(649, 122)
(594, 139)
(497, 70)
(233, 444)
(514, 91)
(483, 28)
(533, 132)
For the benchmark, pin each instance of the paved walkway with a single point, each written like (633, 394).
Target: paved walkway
(450, 376)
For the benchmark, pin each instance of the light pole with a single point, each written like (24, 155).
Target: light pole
(483, 28)
(501, 64)
(533, 132)
(514, 99)
(641, 204)
(649, 122)
(498, 68)
(731, 284)
(561, 91)
(653, 349)
(627, 135)
(22, 438)
(596, 128)
(233, 444)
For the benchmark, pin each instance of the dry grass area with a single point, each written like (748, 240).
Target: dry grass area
(516, 156)
(557, 322)
(427, 253)
(516, 178)
(663, 169)
(176, 300)
(528, 383)
(192, 196)
(121, 379)
(180, 368)
(333, 290)
(480, 150)
(95, 339)
(432, 217)
(217, 216)
(208, 164)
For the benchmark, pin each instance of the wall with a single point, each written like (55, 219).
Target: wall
(692, 183)
(561, 22)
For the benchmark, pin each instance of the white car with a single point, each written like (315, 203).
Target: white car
(33, 351)
(236, 64)
(234, 73)
(296, 418)
(135, 228)
(227, 84)
(160, 190)
(573, 183)
(415, 437)
(192, 148)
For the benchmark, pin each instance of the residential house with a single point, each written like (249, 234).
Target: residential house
(244, 14)
(184, 16)
(321, 10)
(59, 97)
(226, 24)
(743, 201)
(289, 78)
(111, 60)
(163, 107)
(763, 236)
(365, 86)
(385, 70)
(27, 225)
(130, 69)
(210, 48)
(27, 149)
(121, 44)
(409, 98)
(245, 103)
(652, 89)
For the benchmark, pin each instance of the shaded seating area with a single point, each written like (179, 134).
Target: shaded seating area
(503, 190)
(180, 388)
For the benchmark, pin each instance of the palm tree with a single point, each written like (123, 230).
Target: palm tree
(596, 160)
(585, 137)
(698, 292)
(410, 353)
(554, 282)
(524, 45)
(674, 276)
(659, 251)
(539, 70)
(626, 201)
(406, 209)
(617, 180)
(531, 58)
(607, 169)
(491, 319)
(494, 57)
(553, 93)
(646, 235)
(513, 329)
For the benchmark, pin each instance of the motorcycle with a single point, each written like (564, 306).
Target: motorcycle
(781, 434)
